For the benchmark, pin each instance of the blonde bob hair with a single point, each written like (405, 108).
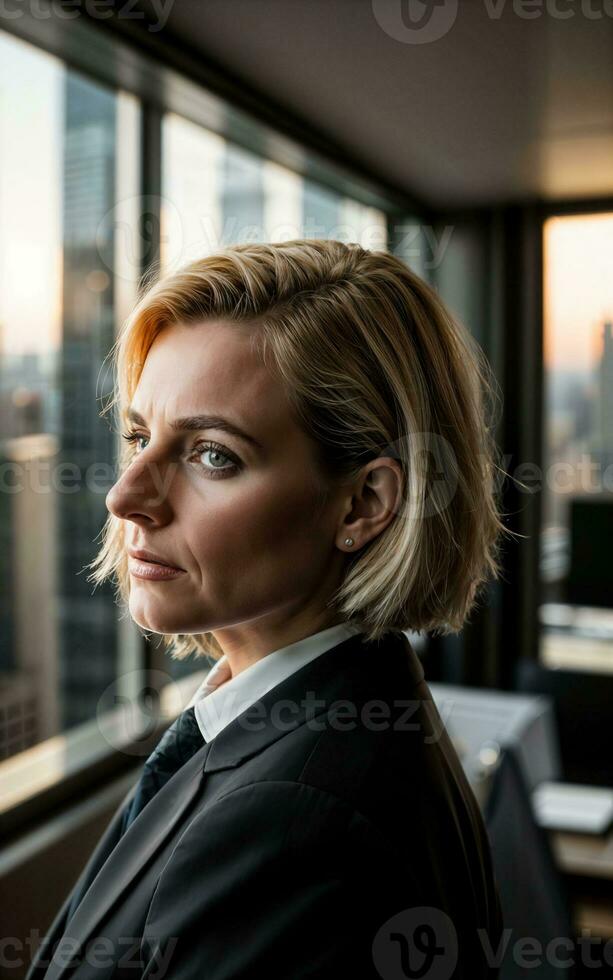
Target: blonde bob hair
(373, 365)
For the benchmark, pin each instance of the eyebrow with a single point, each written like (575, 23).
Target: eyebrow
(194, 423)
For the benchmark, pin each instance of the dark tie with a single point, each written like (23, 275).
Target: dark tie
(178, 744)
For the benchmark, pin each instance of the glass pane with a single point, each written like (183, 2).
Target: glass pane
(365, 225)
(577, 609)
(329, 215)
(282, 203)
(63, 146)
(215, 193)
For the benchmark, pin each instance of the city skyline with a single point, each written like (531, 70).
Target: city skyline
(577, 290)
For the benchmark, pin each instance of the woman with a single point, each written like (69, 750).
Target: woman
(308, 474)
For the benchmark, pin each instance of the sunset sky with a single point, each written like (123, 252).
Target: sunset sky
(578, 288)
(30, 205)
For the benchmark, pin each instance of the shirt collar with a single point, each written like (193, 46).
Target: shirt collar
(221, 698)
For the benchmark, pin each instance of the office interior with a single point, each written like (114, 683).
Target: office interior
(472, 140)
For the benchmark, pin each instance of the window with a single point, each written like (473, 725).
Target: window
(67, 158)
(215, 193)
(577, 609)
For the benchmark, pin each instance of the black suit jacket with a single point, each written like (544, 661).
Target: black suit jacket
(328, 831)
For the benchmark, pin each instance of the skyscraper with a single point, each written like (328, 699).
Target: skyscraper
(87, 622)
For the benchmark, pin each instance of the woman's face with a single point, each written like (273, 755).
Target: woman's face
(239, 514)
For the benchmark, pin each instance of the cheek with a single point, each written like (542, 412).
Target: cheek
(255, 520)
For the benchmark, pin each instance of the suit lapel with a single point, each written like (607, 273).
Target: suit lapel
(144, 837)
(348, 670)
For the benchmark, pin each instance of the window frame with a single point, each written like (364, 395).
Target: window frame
(559, 209)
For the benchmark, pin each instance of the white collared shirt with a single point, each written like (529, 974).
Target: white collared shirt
(221, 697)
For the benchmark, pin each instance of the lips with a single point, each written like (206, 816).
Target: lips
(150, 556)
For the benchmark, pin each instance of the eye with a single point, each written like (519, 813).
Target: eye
(132, 437)
(217, 452)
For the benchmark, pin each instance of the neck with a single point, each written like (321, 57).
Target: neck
(245, 643)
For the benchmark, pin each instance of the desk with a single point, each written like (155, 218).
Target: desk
(589, 855)
(587, 861)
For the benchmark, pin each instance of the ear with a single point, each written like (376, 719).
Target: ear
(375, 500)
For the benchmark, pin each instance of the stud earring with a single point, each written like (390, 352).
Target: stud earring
(348, 542)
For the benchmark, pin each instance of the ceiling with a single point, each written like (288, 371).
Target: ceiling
(512, 102)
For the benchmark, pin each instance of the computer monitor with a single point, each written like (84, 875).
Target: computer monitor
(591, 534)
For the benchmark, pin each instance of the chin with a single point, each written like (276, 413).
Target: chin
(150, 619)
(153, 617)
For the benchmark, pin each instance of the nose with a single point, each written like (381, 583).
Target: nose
(142, 492)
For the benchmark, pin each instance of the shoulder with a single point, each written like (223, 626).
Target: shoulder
(279, 830)
(293, 872)
(291, 813)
